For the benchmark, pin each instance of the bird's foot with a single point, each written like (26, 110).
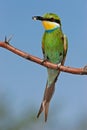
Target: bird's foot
(58, 65)
(44, 60)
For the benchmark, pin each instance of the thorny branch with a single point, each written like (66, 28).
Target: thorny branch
(79, 71)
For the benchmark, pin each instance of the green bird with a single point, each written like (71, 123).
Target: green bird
(54, 48)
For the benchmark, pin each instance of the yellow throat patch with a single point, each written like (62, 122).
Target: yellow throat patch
(49, 25)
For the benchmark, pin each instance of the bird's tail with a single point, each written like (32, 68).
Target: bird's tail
(46, 99)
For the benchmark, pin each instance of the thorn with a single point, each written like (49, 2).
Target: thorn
(7, 40)
(10, 37)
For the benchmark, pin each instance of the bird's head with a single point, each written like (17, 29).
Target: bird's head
(49, 21)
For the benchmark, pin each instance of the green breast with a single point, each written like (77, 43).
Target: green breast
(52, 44)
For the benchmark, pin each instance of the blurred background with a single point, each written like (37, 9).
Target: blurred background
(22, 82)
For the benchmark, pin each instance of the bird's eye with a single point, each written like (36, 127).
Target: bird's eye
(55, 20)
(52, 19)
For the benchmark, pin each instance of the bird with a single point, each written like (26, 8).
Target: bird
(54, 48)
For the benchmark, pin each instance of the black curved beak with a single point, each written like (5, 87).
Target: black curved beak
(38, 18)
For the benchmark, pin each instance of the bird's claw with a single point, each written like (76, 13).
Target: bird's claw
(44, 60)
(58, 65)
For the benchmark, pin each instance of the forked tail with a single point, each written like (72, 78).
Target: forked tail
(46, 100)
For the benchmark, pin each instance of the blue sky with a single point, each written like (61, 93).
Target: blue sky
(22, 83)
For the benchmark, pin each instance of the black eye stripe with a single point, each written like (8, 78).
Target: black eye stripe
(52, 20)
(47, 19)
(57, 21)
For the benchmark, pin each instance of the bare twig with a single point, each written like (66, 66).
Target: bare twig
(79, 71)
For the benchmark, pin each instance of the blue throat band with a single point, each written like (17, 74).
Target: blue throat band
(51, 30)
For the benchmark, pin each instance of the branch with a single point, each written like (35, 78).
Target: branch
(79, 71)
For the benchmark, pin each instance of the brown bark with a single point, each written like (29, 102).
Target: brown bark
(72, 70)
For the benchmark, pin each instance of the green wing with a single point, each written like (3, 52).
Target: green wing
(65, 48)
